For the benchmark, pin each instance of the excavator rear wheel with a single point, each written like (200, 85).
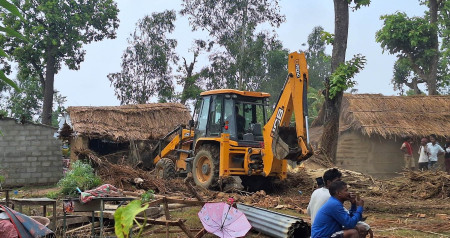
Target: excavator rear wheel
(165, 168)
(256, 183)
(205, 169)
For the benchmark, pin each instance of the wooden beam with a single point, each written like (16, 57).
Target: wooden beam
(82, 227)
(185, 229)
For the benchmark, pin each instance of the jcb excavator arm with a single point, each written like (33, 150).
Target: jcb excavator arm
(292, 100)
(180, 143)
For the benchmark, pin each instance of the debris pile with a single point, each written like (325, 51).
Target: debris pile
(127, 178)
(418, 185)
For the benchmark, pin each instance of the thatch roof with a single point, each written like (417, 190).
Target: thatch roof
(128, 122)
(391, 116)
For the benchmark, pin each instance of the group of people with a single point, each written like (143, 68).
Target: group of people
(429, 150)
(329, 218)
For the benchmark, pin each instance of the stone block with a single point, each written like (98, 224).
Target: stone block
(11, 132)
(37, 163)
(26, 164)
(36, 174)
(42, 180)
(21, 148)
(32, 170)
(36, 153)
(20, 159)
(32, 159)
(25, 143)
(23, 132)
(25, 175)
(34, 133)
(13, 143)
(35, 143)
(20, 181)
(46, 163)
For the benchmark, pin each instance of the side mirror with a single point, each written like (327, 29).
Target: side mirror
(191, 123)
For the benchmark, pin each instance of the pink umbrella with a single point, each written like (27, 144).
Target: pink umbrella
(224, 220)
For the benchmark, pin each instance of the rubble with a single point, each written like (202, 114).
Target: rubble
(417, 185)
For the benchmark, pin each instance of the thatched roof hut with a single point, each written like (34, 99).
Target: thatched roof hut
(128, 122)
(395, 116)
(372, 128)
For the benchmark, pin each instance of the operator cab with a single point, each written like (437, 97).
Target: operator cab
(242, 114)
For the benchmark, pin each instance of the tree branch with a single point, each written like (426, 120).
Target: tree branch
(416, 68)
(38, 69)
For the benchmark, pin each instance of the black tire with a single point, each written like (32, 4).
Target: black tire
(205, 167)
(256, 183)
(165, 168)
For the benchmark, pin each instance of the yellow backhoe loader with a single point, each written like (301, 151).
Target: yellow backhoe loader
(232, 135)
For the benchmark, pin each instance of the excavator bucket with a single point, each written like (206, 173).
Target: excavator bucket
(279, 148)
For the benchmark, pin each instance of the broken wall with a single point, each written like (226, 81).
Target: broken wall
(29, 154)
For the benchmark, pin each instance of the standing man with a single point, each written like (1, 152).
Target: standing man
(434, 150)
(332, 220)
(407, 153)
(423, 156)
(447, 154)
(321, 195)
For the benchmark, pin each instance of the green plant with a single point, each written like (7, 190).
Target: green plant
(53, 194)
(341, 78)
(82, 176)
(2, 180)
(147, 196)
(125, 217)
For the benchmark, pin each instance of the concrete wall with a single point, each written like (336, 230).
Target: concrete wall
(29, 154)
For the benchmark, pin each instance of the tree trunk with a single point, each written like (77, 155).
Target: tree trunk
(187, 84)
(332, 106)
(49, 88)
(432, 74)
(242, 50)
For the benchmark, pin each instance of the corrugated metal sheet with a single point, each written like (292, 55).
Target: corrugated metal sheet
(275, 224)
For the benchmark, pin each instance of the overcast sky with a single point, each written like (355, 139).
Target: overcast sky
(89, 86)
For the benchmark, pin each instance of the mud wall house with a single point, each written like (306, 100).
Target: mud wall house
(124, 132)
(29, 153)
(372, 128)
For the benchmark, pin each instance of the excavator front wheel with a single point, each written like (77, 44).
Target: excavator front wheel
(165, 168)
(205, 169)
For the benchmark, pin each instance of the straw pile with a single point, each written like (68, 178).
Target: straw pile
(122, 176)
(390, 116)
(128, 122)
(418, 185)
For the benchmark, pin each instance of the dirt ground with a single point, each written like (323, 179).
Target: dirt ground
(414, 204)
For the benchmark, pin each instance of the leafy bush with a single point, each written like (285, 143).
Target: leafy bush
(81, 175)
(53, 194)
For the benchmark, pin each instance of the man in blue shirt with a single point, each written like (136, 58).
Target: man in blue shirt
(332, 220)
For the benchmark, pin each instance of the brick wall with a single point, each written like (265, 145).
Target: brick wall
(29, 154)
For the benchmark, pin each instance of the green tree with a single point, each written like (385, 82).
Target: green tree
(190, 80)
(319, 63)
(274, 72)
(57, 30)
(146, 62)
(26, 104)
(232, 24)
(7, 7)
(415, 41)
(340, 79)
